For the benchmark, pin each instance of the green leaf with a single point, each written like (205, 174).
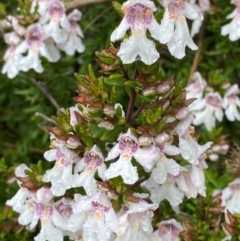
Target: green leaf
(112, 134)
(114, 82)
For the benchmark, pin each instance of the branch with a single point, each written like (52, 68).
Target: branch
(44, 117)
(70, 5)
(199, 51)
(43, 87)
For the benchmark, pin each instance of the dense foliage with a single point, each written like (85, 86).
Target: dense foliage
(24, 140)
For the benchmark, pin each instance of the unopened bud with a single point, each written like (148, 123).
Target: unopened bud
(162, 88)
(187, 236)
(231, 218)
(229, 229)
(109, 110)
(44, 195)
(145, 140)
(107, 125)
(182, 113)
(149, 91)
(217, 199)
(162, 138)
(113, 194)
(73, 143)
(213, 157)
(103, 186)
(188, 225)
(216, 148)
(216, 210)
(225, 147)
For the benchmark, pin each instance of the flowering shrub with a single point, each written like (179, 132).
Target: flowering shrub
(129, 159)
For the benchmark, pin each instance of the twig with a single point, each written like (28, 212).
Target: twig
(31, 149)
(44, 117)
(131, 105)
(138, 111)
(140, 181)
(199, 51)
(4, 24)
(43, 87)
(96, 18)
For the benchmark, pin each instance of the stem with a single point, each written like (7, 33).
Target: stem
(139, 110)
(44, 117)
(125, 74)
(199, 51)
(131, 105)
(43, 87)
(137, 183)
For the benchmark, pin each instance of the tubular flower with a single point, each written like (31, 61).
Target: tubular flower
(139, 18)
(174, 30)
(233, 28)
(127, 148)
(36, 47)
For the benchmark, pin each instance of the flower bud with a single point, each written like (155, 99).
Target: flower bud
(162, 138)
(182, 113)
(107, 125)
(149, 91)
(213, 157)
(231, 218)
(216, 148)
(229, 229)
(109, 110)
(145, 140)
(162, 88)
(225, 147)
(44, 195)
(73, 143)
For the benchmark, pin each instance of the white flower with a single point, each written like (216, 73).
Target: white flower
(195, 90)
(167, 230)
(60, 175)
(135, 221)
(128, 147)
(233, 28)
(165, 165)
(35, 46)
(74, 113)
(17, 201)
(202, 6)
(212, 104)
(101, 218)
(185, 184)
(138, 17)
(174, 30)
(11, 67)
(74, 221)
(19, 29)
(168, 191)
(231, 196)
(74, 42)
(189, 148)
(55, 21)
(231, 103)
(51, 221)
(41, 6)
(52, 49)
(92, 162)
